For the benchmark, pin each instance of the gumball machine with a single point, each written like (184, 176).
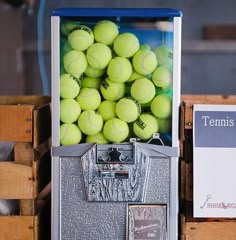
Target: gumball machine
(115, 107)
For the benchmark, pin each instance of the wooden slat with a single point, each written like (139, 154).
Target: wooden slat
(210, 231)
(28, 207)
(37, 101)
(182, 180)
(209, 99)
(25, 119)
(19, 227)
(189, 181)
(24, 153)
(16, 181)
(16, 123)
(182, 237)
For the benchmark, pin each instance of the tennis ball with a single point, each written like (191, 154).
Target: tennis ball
(168, 91)
(89, 82)
(143, 90)
(164, 125)
(145, 46)
(89, 98)
(69, 110)
(62, 69)
(90, 122)
(116, 130)
(164, 55)
(126, 44)
(111, 90)
(144, 61)
(75, 62)
(81, 38)
(66, 48)
(69, 87)
(107, 109)
(162, 77)
(69, 134)
(119, 69)
(128, 109)
(105, 32)
(67, 27)
(98, 138)
(161, 106)
(93, 72)
(145, 126)
(134, 76)
(98, 55)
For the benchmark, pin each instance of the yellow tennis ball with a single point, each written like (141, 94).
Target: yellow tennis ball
(145, 46)
(126, 44)
(90, 82)
(144, 61)
(162, 77)
(107, 109)
(98, 138)
(98, 55)
(128, 109)
(75, 62)
(143, 90)
(134, 76)
(62, 69)
(105, 31)
(164, 124)
(65, 48)
(67, 27)
(69, 87)
(164, 55)
(70, 134)
(111, 90)
(116, 130)
(89, 98)
(81, 38)
(69, 110)
(161, 106)
(119, 69)
(145, 126)
(94, 72)
(90, 122)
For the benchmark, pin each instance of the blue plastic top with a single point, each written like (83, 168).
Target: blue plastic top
(116, 12)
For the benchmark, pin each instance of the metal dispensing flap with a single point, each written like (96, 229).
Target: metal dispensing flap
(115, 172)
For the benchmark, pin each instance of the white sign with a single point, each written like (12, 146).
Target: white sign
(214, 160)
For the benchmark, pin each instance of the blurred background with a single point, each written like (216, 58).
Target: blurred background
(208, 43)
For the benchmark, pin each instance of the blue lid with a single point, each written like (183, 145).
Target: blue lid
(117, 12)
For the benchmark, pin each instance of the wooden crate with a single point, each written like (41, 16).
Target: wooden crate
(35, 227)
(25, 121)
(197, 228)
(219, 32)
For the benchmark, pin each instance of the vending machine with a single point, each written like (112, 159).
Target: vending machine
(115, 122)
